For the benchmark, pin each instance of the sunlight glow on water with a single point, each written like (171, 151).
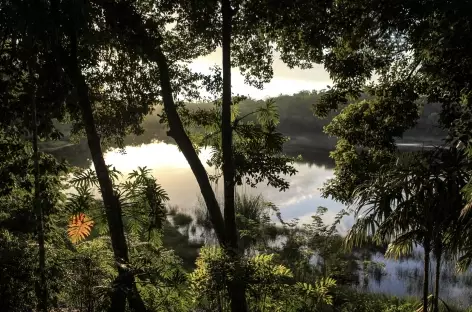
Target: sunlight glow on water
(301, 200)
(172, 171)
(155, 155)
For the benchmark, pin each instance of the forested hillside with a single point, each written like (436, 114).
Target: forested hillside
(297, 121)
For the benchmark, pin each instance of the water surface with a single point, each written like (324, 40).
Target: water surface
(170, 168)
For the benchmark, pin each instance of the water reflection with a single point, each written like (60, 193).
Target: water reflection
(169, 166)
(79, 155)
(404, 278)
(171, 169)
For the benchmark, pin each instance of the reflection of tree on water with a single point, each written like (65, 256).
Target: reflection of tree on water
(314, 149)
(371, 277)
(79, 154)
(404, 278)
(371, 271)
(412, 278)
(454, 289)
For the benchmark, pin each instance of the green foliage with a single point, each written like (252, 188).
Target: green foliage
(160, 276)
(257, 145)
(416, 51)
(17, 286)
(270, 285)
(348, 300)
(253, 219)
(316, 250)
(213, 269)
(90, 271)
(142, 201)
(18, 222)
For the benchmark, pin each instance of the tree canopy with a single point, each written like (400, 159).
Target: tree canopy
(102, 66)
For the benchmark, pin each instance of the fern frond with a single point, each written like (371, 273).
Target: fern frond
(79, 227)
(84, 178)
(114, 174)
(80, 202)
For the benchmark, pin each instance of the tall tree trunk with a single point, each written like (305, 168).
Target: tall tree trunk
(41, 285)
(114, 13)
(438, 255)
(113, 209)
(117, 11)
(227, 132)
(427, 251)
(237, 287)
(177, 132)
(124, 283)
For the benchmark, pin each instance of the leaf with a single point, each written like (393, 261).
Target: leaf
(79, 227)
(268, 114)
(84, 178)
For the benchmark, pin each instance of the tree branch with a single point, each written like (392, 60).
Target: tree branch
(178, 133)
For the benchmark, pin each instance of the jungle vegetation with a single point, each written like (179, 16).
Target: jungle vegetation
(95, 240)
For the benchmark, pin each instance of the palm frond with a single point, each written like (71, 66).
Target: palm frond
(362, 231)
(402, 245)
(84, 178)
(268, 114)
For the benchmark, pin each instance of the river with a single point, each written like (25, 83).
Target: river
(170, 168)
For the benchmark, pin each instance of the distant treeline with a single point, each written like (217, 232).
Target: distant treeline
(299, 123)
(296, 121)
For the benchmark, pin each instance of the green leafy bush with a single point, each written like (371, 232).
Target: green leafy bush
(16, 285)
(270, 286)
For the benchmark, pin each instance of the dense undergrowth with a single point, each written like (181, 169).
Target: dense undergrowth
(286, 267)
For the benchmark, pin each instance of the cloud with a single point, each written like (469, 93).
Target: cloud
(285, 80)
(172, 171)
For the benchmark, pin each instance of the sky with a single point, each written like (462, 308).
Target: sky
(285, 80)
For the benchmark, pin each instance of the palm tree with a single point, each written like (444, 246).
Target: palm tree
(452, 171)
(416, 202)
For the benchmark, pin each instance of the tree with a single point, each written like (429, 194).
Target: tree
(397, 53)
(416, 201)
(238, 289)
(111, 96)
(145, 218)
(31, 96)
(142, 33)
(81, 74)
(21, 191)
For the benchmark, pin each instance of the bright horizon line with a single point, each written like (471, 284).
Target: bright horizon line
(285, 81)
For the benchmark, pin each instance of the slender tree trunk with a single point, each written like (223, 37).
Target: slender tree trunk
(227, 132)
(41, 285)
(177, 132)
(124, 283)
(437, 279)
(427, 251)
(237, 287)
(114, 12)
